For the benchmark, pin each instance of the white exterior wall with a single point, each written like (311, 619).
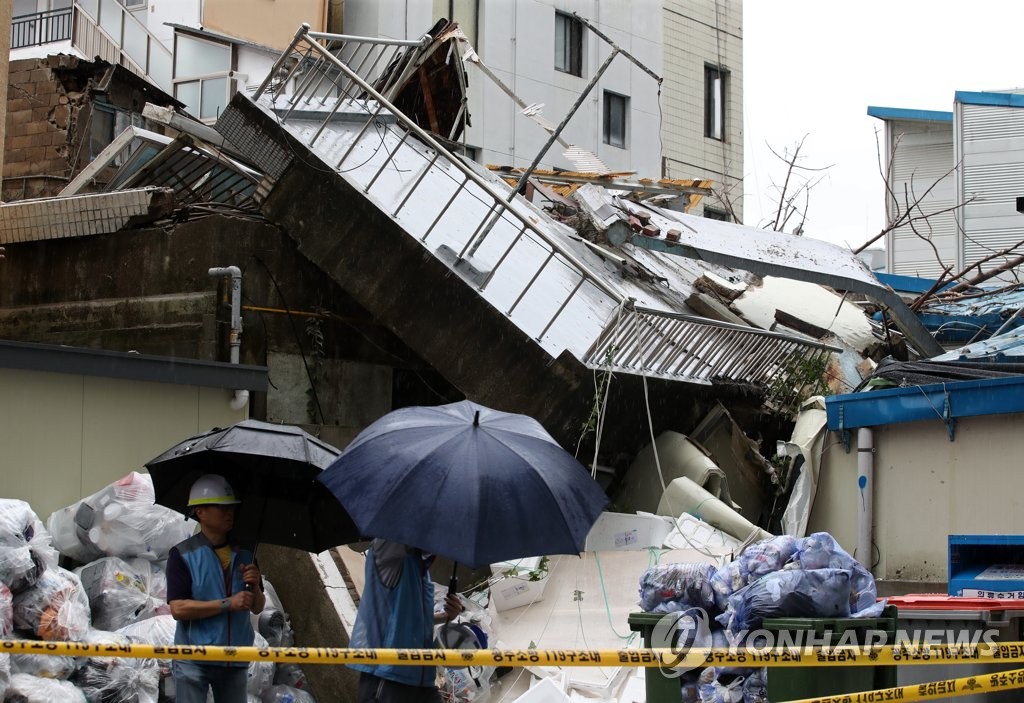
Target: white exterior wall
(516, 41)
(699, 33)
(70, 435)
(926, 488)
(991, 143)
(924, 156)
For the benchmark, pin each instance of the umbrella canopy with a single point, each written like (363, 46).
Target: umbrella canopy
(467, 482)
(273, 469)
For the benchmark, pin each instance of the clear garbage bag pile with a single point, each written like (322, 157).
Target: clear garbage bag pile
(784, 576)
(118, 541)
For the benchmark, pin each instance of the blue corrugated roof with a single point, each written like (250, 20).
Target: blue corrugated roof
(1008, 346)
(999, 99)
(899, 113)
(937, 401)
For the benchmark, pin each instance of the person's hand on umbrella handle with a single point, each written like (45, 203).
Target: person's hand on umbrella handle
(252, 577)
(452, 607)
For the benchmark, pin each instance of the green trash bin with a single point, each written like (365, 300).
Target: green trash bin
(789, 683)
(660, 688)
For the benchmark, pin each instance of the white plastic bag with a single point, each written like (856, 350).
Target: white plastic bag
(26, 688)
(118, 591)
(117, 680)
(120, 520)
(6, 611)
(25, 545)
(260, 676)
(286, 694)
(56, 608)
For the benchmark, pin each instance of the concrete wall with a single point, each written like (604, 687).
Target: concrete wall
(67, 435)
(926, 489)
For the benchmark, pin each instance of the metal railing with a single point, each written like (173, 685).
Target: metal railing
(650, 342)
(40, 28)
(321, 78)
(108, 29)
(685, 347)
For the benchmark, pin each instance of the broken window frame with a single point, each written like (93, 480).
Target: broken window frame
(716, 80)
(568, 44)
(616, 135)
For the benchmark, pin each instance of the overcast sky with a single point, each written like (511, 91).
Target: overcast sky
(812, 67)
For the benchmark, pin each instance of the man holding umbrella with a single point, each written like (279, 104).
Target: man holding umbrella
(212, 587)
(396, 611)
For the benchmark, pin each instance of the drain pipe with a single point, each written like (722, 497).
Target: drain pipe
(866, 487)
(241, 397)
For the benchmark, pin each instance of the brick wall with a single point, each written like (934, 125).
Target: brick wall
(42, 138)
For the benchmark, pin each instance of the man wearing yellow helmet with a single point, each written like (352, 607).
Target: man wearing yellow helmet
(212, 587)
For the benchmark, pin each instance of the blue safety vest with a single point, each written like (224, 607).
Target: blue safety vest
(401, 617)
(208, 583)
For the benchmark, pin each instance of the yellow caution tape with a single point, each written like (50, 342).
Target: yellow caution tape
(948, 688)
(889, 655)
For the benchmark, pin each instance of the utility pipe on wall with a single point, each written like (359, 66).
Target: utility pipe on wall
(241, 397)
(866, 489)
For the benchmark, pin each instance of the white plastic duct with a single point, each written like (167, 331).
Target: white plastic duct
(866, 488)
(241, 397)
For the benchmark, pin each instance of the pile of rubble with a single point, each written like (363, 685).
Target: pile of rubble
(96, 573)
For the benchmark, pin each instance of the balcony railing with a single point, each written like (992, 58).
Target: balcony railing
(40, 28)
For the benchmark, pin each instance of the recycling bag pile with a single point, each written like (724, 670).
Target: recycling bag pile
(117, 540)
(809, 577)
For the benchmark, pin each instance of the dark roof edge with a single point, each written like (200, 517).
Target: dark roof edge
(30, 356)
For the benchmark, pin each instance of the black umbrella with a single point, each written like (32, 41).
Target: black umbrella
(273, 470)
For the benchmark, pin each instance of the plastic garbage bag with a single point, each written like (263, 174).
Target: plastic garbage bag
(26, 688)
(6, 611)
(820, 550)
(157, 630)
(727, 580)
(290, 675)
(713, 689)
(768, 556)
(755, 686)
(286, 694)
(5, 675)
(260, 676)
(25, 545)
(43, 665)
(56, 608)
(118, 592)
(115, 680)
(789, 593)
(274, 626)
(120, 520)
(671, 587)
(463, 686)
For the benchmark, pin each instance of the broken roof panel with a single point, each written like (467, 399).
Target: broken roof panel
(536, 271)
(80, 215)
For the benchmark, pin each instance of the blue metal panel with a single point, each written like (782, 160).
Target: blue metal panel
(898, 113)
(939, 401)
(998, 99)
(909, 284)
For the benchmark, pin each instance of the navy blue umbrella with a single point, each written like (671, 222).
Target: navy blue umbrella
(466, 482)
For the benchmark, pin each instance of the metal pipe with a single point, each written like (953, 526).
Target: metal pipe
(866, 488)
(241, 397)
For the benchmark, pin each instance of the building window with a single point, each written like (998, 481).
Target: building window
(616, 108)
(713, 214)
(134, 4)
(202, 72)
(568, 44)
(715, 79)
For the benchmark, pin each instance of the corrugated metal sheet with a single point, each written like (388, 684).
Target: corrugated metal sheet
(981, 122)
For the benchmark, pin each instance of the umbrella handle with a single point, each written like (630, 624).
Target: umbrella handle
(453, 585)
